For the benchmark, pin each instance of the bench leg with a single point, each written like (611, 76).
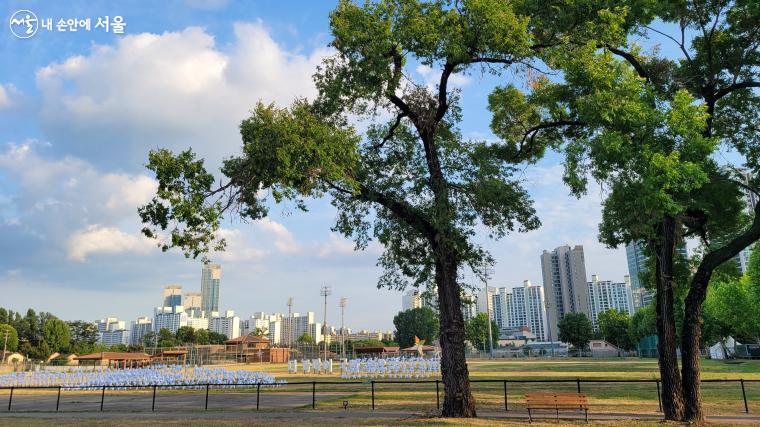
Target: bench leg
(530, 418)
(586, 416)
(557, 415)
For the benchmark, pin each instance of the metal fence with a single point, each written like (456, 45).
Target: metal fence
(318, 387)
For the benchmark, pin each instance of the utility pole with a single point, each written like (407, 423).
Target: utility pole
(489, 304)
(549, 327)
(5, 343)
(289, 338)
(343, 303)
(325, 292)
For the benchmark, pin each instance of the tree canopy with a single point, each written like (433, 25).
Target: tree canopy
(420, 322)
(476, 331)
(576, 329)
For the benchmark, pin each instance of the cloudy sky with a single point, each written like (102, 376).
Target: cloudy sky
(79, 112)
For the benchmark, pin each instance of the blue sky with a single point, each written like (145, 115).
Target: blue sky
(79, 112)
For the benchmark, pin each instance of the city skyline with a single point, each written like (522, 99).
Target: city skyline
(70, 182)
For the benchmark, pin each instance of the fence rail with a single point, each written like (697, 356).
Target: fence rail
(154, 388)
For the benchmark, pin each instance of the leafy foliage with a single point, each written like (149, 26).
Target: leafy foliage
(576, 329)
(11, 344)
(420, 322)
(614, 326)
(476, 331)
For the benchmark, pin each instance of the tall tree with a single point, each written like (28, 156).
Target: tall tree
(413, 182)
(418, 322)
(84, 336)
(476, 332)
(56, 335)
(11, 343)
(614, 326)
(576, 329)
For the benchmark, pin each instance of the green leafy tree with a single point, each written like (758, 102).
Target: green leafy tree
(186, 335)
(367, 343)
(643, 323)
(420, 322)
(260, 332)
(150, 339)
(84, 336)
(166, 338)
(753, 273)
(57, 336)
(9, 332)
(305, 339)
(730, 304)
(216, 338)
(202, 337)
(576, 329)
(614, 326)
(476, 331)
(4, 316)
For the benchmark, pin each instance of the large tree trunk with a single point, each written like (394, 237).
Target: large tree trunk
(690, 355)
(458, 400)
(664, 250)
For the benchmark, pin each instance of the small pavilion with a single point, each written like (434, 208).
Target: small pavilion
(114, 359)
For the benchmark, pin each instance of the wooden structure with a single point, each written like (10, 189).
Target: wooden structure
(425, 349)
(251, 348)
(556, 402)
(174, 357)
(11, 358)
(114, 359)
(388, 351)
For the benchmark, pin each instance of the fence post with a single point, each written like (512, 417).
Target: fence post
(659, 396)
(102, 397)
(578, 383)
(373, 396)
(153, 405)
(744, 396)
(58, 400)
(258, 391)
(506, 401)
(313, 394)
(206, 408)
(437, 396)
(10, 399)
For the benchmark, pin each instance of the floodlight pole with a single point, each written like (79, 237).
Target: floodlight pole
(549, 327)
(290, 324)
(325, 292)
(343, 303)
(489, 301)
(5, 343)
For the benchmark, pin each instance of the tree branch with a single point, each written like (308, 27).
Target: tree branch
(736, 86)
(390, 133)
(631, 59)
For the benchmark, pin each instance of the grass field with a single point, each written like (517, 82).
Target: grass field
(719, 398)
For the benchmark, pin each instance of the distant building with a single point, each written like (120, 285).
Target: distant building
(172, 295)
(171, 318)
(194, 304)
(564, 274)
(637, 265)
(411, 299)
(228, 325)
(211, 276)
(112, 331)
(607, 295)
(526, 307)
(197, 322)
(138, 329)
(751, 199)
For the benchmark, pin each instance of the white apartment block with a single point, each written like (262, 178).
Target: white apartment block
(526, 306)
(138, 329)
(197, 322)
(229, 325)
(171, 318)
(411, 299)
(112, 331)
(605, 295)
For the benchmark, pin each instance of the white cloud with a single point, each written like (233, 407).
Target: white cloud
(284, 240)
(97, 239)
(175, 90)
(433, 77)
(238, 249)
(4, 99)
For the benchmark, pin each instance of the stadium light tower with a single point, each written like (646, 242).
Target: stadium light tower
(343, 303)
(289, 323)
(325, 292)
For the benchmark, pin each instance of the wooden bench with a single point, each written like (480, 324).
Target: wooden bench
(556, 402)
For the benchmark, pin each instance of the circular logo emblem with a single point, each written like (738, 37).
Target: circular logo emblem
(24, 24)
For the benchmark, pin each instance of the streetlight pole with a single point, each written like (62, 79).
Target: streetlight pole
(325, 292)
(343, 303)
(489, 304)
(549, 327)
(5, 343)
